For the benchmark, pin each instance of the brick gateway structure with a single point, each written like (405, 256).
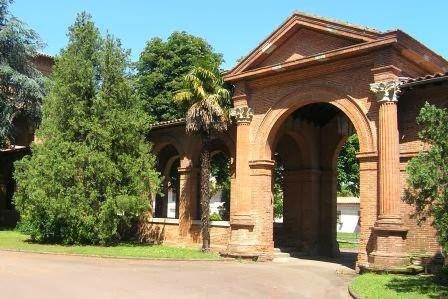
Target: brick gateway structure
(300, 93)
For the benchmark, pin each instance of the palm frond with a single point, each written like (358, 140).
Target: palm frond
(224, 94)
(205, 75)
(183, 96)
(195, 85)
(206, 116)
(205, 94)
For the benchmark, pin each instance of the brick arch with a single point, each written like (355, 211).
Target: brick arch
(223, 144)
(334, 158)
(307, 153)
(275, 117)
(219, 143)
(163, 141)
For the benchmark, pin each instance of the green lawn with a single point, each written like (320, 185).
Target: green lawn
(344, 245)
(372, 286)
(348, 236)
(348, 240)
(10, 239)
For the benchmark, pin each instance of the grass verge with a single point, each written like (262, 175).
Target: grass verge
(344, 245)
(354, 237)
(348, 240)
(373, 286)
(14, 240)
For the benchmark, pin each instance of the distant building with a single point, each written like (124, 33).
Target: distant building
(348, 215)
(23, 136)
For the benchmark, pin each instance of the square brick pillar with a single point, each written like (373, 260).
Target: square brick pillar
(309, 205)
(310, 180)
(188, 182)
(368, 194)
(389, 229)
(293, 197)
(328, 245)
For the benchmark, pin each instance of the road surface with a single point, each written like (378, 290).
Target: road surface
(32, 275)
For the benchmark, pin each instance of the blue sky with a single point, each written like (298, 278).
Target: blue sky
(232, 27)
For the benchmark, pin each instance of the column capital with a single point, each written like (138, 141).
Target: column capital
(242, 115)
(386, 91)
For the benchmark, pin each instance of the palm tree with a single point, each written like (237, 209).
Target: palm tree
(205, 96)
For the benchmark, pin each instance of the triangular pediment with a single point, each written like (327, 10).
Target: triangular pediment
(304, 43)
(302, 36)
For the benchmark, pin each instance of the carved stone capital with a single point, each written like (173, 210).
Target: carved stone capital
(242, 114)
(386, 91)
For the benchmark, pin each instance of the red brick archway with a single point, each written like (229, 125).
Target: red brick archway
(307, 146)
(360, 72)
(356, 70)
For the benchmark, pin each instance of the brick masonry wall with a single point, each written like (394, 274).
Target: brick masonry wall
(169, 233)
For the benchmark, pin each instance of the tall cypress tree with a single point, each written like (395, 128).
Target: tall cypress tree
(21, 84)
(91, 177)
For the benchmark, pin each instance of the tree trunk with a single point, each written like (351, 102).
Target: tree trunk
(205, 194)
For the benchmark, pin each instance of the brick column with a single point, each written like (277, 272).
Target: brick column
(187, 195)
(389, 229)
(310, 211)
(241, 215)
(263, 199)
(328, 244)
(243, 117)
(290, 232)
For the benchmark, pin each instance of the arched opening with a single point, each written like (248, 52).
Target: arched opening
(221, 176)
(166, 204)
(348, 220)
(306, 150)
(220, 186)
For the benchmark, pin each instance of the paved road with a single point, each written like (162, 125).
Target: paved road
(29, 275)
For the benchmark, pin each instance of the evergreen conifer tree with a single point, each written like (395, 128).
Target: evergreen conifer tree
(91, 177)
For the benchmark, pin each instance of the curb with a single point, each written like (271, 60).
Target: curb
(130, 258)
(351, 292)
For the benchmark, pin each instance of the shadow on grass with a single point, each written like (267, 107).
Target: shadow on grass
(7, 228)
(134, 244)
(427, 285)
(27, 239)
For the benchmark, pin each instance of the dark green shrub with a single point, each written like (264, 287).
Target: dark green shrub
(428, 172)
(215, 217)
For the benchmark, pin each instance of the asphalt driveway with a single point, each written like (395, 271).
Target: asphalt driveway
(30, 275)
